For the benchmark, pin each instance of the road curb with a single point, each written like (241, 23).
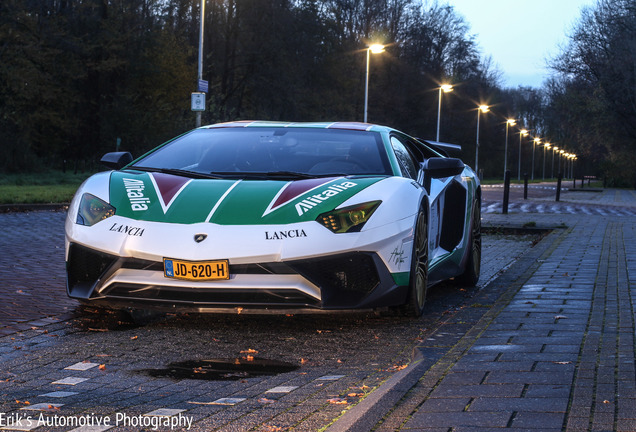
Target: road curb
(21, 208)
(365, 414)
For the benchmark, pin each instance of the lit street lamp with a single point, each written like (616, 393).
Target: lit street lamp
(545, 147)
(446, 88)
(482, 109)
(375, 49)
(554, 149)
(535, 142)
(509, 122)
(522, 133)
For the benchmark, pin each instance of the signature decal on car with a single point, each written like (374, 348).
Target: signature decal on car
(397, 256)
(125, 229)
(279, 235)
(135, 192)
(313, 200)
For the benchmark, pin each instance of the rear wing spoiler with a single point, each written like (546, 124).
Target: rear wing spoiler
(441, 147)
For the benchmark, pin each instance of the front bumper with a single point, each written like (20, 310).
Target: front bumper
(354, 280)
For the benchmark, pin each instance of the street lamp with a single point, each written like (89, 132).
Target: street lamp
(446, 88)
(375, 49)
(535, 142)
(559, 162)
(509, 122)
(482, 109)
(554, 149)
(546, 146)
(522, 133)
(200, 60)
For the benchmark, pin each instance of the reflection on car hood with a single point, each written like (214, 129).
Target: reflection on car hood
(168, 198)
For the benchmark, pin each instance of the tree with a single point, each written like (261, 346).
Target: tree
(594, 95)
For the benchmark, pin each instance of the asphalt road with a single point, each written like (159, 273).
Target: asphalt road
(339, 358)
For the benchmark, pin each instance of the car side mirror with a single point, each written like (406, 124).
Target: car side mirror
(437, 167)
(116, 160)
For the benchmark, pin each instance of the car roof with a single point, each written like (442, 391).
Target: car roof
(315, 125)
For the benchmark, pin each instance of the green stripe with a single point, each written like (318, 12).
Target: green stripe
(245, 204)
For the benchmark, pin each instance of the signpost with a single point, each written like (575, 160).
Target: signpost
(203, 86)
(198, 101)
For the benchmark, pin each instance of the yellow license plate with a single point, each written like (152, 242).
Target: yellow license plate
(196, 270)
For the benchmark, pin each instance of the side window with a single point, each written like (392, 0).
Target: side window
(407, 165)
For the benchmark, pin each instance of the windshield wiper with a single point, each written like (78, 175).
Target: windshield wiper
(289, 174)
(180, 172)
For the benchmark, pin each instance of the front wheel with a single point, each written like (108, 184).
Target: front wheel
(473, 263)
(419, 268)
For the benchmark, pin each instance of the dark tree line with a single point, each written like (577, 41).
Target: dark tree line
(592, 99)
(76, 75)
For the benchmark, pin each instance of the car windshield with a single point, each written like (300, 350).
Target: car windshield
(309, 152)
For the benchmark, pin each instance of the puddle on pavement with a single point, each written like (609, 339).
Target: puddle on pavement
(222, 369)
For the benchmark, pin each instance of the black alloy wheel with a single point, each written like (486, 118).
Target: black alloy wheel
(473, 264)
(419, 268)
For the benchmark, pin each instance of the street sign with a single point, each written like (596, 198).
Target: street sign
(198, 102)
(203, 86)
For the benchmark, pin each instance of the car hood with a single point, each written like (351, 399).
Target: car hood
(169, 198)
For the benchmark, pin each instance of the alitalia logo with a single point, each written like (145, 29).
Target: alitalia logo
(135, 192)
(316, 199)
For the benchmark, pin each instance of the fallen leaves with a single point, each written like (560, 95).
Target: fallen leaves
(134, 337)
(102, 367)
(396, 368)
(249, 351)
(338, 401)
(266, 401)
(22, 402)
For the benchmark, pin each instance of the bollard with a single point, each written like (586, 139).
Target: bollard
(574, 184)
(504, 210)
(559, 178)
(525, 185)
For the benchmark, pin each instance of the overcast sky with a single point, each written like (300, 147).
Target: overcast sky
(521, 35)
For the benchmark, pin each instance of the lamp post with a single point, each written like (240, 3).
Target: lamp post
(545, 147)
(509, 122)
(446, 88)
(559, 161)
(481, 109)
(375, 49)
(522, 133)
(554, 149)
(534, 144)
(200, 61)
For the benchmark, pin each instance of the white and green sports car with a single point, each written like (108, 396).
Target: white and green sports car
(275, 217)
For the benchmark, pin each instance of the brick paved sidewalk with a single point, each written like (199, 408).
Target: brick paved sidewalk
(554, 353)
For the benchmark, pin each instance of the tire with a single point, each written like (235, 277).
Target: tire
(419, 268)
(473, 263)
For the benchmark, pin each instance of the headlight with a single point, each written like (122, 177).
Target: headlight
(92, 210)
(348, 219)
